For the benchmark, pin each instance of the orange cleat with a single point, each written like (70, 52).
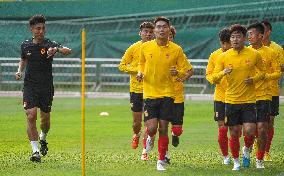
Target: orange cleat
(135, 141)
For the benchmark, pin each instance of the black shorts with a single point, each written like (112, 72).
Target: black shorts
(33, 97)
(178, 114)
(160, 108)
(237, 114)
(136, 102)
(219, 111)
(274, 106)
(263, 110)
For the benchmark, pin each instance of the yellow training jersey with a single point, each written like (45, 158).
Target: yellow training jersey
(243, 64)
(179, 87)
(129, 64)
(275, 89)
(155, 63)
(220, 89)
(262, 87)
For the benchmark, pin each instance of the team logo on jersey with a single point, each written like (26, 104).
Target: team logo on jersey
(25, 104)
(131, 105)
(42, 51)
(167, 55)
(29, 53)
(151, 55)
(146, 113)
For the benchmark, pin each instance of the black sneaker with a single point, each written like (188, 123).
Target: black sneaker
(175, 140)
(35, 157)
(43, 147)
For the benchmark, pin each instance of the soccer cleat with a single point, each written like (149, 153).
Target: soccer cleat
(175, 140)
(135, 141)
(246, 157)
(226, 160)
(167, 158)
(43, 147)
(161, 165)
(259, 164)
(236, 164)
(144, 155)
(35, 157)
(149, 144)
(267, 157)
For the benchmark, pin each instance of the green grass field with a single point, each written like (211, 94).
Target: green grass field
(108, 150)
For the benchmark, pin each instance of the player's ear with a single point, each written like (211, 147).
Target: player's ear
(139, 33)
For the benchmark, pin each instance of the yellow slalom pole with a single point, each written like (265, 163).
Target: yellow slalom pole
(83, 99)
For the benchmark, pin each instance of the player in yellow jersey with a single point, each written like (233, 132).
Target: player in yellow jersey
(129, 64)
(275, 89)
(157, 57)
(262, 87)
(177, 122)
(238, 66)
(219, 94)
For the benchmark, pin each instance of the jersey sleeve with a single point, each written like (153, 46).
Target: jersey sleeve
(276, 71)
(142, 60)
(210, 69)
(218, 72)
(126, 60)
(261, 68)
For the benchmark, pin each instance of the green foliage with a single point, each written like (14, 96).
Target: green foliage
(108, 150)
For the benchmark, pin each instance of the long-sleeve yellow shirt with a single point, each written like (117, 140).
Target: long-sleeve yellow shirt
(129, 64)
(243, 64)
(155, 63)
(179, 86)
(262, 87)
(274, 84)
(220, 89)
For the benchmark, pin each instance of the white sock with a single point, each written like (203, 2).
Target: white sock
(34, 145)
(42, 136)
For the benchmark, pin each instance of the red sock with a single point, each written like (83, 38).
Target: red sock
(223, 140)
(270, 134)
(234, 143)
(177, 131)
(259, 155)
(144, 139)
(163, 143)
(249, 141)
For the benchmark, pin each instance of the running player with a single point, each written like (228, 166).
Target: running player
(275, 88)
(129, 64)
(263, 91)
(219, 94)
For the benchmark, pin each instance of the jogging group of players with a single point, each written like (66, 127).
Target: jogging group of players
(246, 97)
(246, 94)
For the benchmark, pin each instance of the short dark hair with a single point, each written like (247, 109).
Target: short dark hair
(258, 26)
(267, 24)
(224, 35)
(38, 18)
(238, 28)
(146, 24)
(162, 18)
(173, 30)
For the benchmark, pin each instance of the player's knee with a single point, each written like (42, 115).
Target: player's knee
(151, 131)
(177, 131)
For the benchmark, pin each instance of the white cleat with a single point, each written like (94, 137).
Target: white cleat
(226, 160)
(161, 165)
(149, 144)
(259, 164)
(237, 165)
(144, 156)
